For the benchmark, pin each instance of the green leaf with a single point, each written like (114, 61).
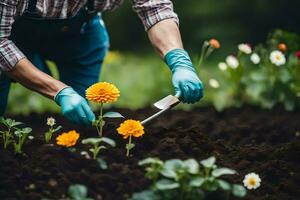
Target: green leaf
(192, 166)
(108, 141)
(239, 191)
(145, 195)
(57, 128)
(222, 171)
(165, 184)
(130, 146)
(170, 167)
(102, 163)
(112, 115)
(211, 185)
(197, 182)
(149, 161)
(208, 163)
(94, 141)
(78, 192)
(224, 185)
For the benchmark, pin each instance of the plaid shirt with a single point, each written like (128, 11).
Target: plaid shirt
(150, 12)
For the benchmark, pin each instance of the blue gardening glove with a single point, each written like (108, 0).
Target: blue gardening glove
(188, 86)
(74, 107)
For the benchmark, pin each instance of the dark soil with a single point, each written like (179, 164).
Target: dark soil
(248, 140)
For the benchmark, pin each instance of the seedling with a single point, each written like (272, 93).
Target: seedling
(22, 135)
(78, 192)
(52, 129)
(98, 144)
(186, 180)
(8, 134)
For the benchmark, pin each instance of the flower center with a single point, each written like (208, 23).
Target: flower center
(278, 57)
(252, 181)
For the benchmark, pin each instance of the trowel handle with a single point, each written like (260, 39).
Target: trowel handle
(155, 116)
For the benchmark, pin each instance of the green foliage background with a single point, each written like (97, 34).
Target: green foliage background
(141, 75)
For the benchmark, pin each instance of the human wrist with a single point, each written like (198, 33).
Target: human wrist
(178, 58)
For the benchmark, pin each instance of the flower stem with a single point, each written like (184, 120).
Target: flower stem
(101, 120)
(129, 145)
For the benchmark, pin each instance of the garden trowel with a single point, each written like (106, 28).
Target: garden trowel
(163, 105)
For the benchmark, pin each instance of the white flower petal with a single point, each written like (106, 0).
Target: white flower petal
(222, 66)
(277, 58)
(245, 48)
(232, 62)
(214, 83)
(255, 58)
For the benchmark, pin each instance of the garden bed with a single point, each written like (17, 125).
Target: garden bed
(247, 140)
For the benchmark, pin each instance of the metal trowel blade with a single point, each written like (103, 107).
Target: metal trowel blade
(167, 102)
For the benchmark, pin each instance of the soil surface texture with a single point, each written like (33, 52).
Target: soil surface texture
(245, 139)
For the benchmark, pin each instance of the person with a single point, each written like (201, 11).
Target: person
(72, 34)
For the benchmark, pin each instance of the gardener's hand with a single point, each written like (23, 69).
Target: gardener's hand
(188, 86)
(74, 107)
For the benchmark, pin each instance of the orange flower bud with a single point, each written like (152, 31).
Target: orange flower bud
(214, 43)
(282, 47)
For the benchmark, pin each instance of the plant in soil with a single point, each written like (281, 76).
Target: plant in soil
(21, 136)
(98, 144)
(130, 128)
(49, 134)
(78, 192)
(102, 93)
(8, 135)
(187, 180)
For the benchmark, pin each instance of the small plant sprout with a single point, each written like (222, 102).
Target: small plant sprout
(52, 129)
(207, 48)
(252, 181)
(8, 134)
(78, 192)
(186, 180)
(98, 144)
(22, 135)
(130, 128)
(67, 139)
(102, 93)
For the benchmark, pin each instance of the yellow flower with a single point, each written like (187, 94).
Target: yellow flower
(67, 139)
(131, 128)
(102, 92)
(214, 43)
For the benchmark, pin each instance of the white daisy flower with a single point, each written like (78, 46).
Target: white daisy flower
(255, 58)
(277, 58)
(222, 66)
(252, 181)
(214, 83)
(232, 62)
(245, 48)
(50, 121)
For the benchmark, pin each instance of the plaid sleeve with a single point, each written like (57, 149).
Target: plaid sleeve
(153, 11)
(9, 53)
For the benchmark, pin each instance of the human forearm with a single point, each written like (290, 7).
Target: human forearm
(28, 75)
(165, 36)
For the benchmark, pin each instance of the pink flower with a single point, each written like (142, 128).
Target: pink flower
(298, 54)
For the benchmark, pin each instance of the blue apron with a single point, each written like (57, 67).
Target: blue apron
(77, 45)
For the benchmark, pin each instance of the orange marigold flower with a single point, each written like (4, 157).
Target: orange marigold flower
(67, 139)
(131, 128)
(102, 92)
(214, 43)
(282, 47)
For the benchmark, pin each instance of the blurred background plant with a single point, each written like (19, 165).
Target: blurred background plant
(143, 78)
